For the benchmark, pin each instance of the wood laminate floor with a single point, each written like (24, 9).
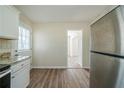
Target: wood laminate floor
(59, 78)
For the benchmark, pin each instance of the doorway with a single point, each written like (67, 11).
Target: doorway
(75, 49)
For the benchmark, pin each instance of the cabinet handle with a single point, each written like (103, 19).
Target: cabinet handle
(13, 77)
(16, 55)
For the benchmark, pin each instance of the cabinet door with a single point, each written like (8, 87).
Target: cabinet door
(26, 74)
(9, 23)
(20, 79)
(17, 79)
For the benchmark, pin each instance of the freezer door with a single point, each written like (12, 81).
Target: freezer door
(106, 71)
(108, 33)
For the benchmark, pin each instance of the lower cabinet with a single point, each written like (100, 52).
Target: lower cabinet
(21, 78)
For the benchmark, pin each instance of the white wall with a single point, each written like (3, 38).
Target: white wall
(50, 44)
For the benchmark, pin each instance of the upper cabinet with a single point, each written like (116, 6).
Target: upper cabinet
(9, 21)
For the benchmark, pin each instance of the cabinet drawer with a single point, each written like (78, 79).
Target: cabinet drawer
(20, 65)
(16, 67)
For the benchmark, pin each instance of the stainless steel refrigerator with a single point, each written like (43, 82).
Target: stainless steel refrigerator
(107, 52)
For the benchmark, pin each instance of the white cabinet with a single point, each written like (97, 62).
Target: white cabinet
(9, 20)
(21, 77)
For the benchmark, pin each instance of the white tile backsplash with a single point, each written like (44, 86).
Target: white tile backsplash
(7, 45)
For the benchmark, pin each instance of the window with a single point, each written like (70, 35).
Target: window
(24, 42)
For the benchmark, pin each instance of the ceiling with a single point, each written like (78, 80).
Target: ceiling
(61, 13)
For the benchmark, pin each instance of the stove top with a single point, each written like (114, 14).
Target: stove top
(4, 67)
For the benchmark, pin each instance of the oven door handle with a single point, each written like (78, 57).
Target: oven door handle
(4, 74)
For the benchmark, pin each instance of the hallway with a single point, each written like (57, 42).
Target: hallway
(73, 62)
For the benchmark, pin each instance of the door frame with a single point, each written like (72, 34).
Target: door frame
(80, 31)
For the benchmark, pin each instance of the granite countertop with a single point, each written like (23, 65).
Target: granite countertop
(13, 60)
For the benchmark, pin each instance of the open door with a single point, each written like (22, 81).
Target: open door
(74, 49)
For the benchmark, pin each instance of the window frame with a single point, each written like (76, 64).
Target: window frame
(25, 26)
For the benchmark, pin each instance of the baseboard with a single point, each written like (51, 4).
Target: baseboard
(86, 67)
(56, 67)
(50, 67)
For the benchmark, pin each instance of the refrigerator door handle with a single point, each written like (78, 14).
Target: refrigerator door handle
(108, 54)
